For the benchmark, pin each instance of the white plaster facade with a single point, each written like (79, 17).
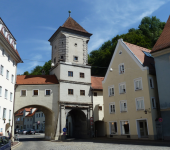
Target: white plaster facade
(8, 66)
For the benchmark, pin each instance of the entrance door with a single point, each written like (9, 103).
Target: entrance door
(143, 129)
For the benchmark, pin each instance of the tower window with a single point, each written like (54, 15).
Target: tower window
(61, 57)
(70, 73)
(81, 75)
(82, 92)
(75, 58)
(54, 60)
(70, 91)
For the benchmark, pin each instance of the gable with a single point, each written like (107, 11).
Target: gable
(130, 59)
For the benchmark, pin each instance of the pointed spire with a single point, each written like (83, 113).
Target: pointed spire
(164, 39)
(70, 23)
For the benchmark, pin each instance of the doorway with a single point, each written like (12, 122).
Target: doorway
(142, 128)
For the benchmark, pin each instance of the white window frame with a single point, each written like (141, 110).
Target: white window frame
(121, 127)
(46, 90)
(122, 84)
(6, 94)
(11, 96)
(138, 79)
(151, 79)
(2, 70)
(110, 87)
(12, 78)
(154, 102)
(7, 74)
(4, 116)
(123, 101)
(112, 103)
(33, 92)
(121, 71)
(140, 99)
(0, 91)
(21, 92)
(110, 127)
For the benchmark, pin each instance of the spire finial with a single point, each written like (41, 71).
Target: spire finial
(69, 13)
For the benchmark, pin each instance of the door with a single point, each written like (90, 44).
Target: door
(143, 129)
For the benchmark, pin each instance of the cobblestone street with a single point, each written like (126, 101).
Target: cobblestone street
(37, 143)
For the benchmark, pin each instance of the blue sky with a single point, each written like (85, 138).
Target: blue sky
(32, 22)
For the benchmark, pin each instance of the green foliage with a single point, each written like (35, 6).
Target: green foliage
(146, 36)
(38, 69)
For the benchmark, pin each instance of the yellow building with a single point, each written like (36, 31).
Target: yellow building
(130, 94)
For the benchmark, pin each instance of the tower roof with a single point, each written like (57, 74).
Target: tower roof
(164, 39)
(70, 23)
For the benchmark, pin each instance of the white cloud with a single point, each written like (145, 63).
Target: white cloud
(108, 18)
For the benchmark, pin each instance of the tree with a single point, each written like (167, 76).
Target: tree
(146, 36)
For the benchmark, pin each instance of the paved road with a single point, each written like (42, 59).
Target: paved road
(36, 142)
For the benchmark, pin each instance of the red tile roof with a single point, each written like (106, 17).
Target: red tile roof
(19, 112)
(139, 53)
(96, 83)
(36, 79)
(31, 114)
(164, 39)
(70, 23)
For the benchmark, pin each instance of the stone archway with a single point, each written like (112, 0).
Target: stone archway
(76, 124)
(50, 120)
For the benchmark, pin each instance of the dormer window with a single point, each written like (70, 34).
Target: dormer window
(121, 69)
(75, 58)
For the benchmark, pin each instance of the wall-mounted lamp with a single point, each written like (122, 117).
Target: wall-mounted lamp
(147, 110)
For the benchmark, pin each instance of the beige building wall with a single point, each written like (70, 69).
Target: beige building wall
(133, 70)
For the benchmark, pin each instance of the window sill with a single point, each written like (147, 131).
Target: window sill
(125, 134)
(140, 109)
(138, 89)
(122, 93)
(111, 95)
(112, 112)
(123, 111)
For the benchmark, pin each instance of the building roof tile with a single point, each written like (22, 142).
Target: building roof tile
(139, 53)
(36, 79)
(96, 83)
(164, 39)
(70, 23)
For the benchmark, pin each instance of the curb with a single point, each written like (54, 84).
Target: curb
(13, 147)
